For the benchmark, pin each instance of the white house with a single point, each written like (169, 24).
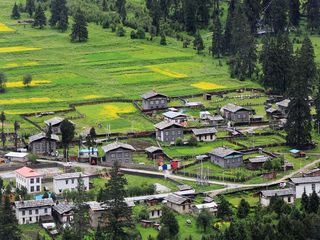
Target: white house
(308, 184)
(211, 207)
(28, 178)
(17, 156)
(30, 211)
(287, 194)
(69, 181)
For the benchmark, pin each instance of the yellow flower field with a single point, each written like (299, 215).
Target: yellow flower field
(23, 64)
(88, 97)
(167, 72)
(5, 28)
(111, 111)
(20, 83)
(24, 100)
(17, 49)
(206, 86)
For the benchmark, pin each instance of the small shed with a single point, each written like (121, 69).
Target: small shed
(17, 156)
(211, 207)
(297, 153)
(205, 134)
(257, 162)
(154, 152)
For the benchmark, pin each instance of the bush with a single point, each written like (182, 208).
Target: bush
(133, 35)
(143, 214)
(32, 158)
(140, 33)
(192, 141)
(121, 32)
(179, 142)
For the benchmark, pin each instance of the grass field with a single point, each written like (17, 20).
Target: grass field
(107, 67)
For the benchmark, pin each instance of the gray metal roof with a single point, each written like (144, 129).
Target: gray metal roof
(184, 187)
(233, 108)
(203, 131)
(283, 103)
(116, 145)
(259, 159)
(305, 180)
(176, 199)
(223, 152)
(272, 110)
(165, 124)
(278, 192)
(173, 115)
(34, 203)
(42, 135)
(69, 176)
(152, 94)
(62, 208)
(54, 121)
(216, 118)
(153, 149)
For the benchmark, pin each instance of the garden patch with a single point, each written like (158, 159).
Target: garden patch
(206, 86)
(17, 49)
(5, 28)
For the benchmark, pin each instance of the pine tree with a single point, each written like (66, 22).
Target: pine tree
(217, 38)
(317, 106)
(224, 209)
(3, 80)
(278, 16)
(190, 16)
(198, 43)
(313, 14)
(49, 136)
(16, 127)
(121, 9)
(294, 12)
(63, 21)
(252, 10)
(67, 134)
(243, 209)
(105, 6)
(155, 13)
(118, 214)
(202, 13)
(79, 28)
(204, 220)
(15, 12)
(40, 19)
(3, 136)
(314, 202)
(169, 222)
(228, 28)
(163, 40)
(243, 48)
(9, 225)
(30, 7)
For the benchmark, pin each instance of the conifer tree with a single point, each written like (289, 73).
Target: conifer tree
(294, 12)
(121, 9)
(243, 209)
(224, 209)
(104, 5)
(40, 19)
(79, 28)
(16, 127)
(252, 10)
(30, 7)
(313, 14)
(190, 16)
(198, 43)
(118, 214)
(317, 106)
(169, 221)
(2, 120)
(314, 202)
(228, 28)
(163, 40)
(67, 134)
(15, 12)
(278, 16)
(9, 225)
(217, 38)
(59, 15)
(63, 21)
(3, 80)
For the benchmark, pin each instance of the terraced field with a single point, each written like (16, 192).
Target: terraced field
(106, 67)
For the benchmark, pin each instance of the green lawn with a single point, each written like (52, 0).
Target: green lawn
(260, 140)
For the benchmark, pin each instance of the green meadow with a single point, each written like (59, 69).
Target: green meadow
(105, 67)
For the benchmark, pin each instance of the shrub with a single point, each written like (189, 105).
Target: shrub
(120, 31)
(192, 141)
(179, 142)
(133, 35)
(140, 33)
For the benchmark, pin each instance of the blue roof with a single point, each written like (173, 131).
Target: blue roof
(294, 151)
(39, 197)
(89, 150)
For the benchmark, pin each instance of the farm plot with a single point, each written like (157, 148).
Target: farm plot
(256, 141)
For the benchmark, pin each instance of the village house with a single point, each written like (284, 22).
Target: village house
(236, 114)
(177, 117)
(211, 207)
(21, 157)
(274, 113)
(226, 157)
(153, 100)
(179, 203)
(155, 212)
(257, 162)
(286, 194)
(307, 184)
(41, 144)
(118, 151)
(31, 211)
(28, 178)
(69, 181)
(63, 212)
(283, 106)
(96, 211)
(55, 124)
(168, 131)
(155, 153)
(204, 115)
(205, 134)
(216, 120)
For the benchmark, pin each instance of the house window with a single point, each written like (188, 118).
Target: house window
(37, 211)
(45, 210)
(113, 155)
(184, 207)
(23, 220)
(126, 154)
(72, 181)
(32, 180)
(38, 180)
(30, 219)
(289, 199)
(67, 181)
(167, 133)
(38, 188)
(162, 101)
(30, 212)
(313, 186)
(119, 155)
(60, 190)
(23, 213)
(32, 189)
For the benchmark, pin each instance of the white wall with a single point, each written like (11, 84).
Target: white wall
(34, 215)
(308, 187)
(32, 187)
(59, 185)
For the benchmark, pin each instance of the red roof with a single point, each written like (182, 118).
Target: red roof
(27, 172)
